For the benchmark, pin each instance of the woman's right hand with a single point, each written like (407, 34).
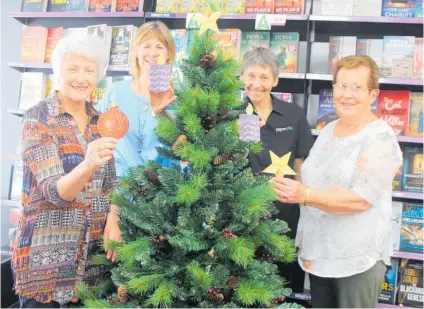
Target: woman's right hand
(99, 152)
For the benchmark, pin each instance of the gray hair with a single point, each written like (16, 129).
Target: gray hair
(91, 47)
(261, 56)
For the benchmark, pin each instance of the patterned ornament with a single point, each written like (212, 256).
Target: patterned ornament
(160, 76)
(113, 123)
(180, 139)
(208, 61)
(152, 176)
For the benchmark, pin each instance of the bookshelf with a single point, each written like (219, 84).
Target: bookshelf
(367, 19)
(24, 16)
(382, 80)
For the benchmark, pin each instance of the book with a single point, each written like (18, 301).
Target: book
(56, 6)
(340, 46)
(397, 180)
(337, 7)
(76, 5)
(398, 56)
(286, 46)
(416, 115)
(229, 41)
(233, 6)
(33, 44)
(366, 7)
(53, 36)
(412, 228)
(389, 286)
(100, 5)
(121, 44)
(104, 32)
(259, 6)
(397, 208)
(32, 89)
(129, 5)
(393, 107)
(410, 283)
(253, 39)
(418, 59)
(289, 6)
(372, 48)
(413, 162)
(402, 8)
(97, 95)
(34, 5)
(326, 109)
(180, 41)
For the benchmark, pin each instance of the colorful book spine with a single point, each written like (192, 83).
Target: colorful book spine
(413, 162)
(286, 46)
(398, 56)
(326, 109)
(393, 107)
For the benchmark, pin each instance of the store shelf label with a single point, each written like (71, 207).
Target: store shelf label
(266, 21)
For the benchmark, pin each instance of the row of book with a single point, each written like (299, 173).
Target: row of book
(82, 5)
(403, 284)
(402, 109)
(396, 56)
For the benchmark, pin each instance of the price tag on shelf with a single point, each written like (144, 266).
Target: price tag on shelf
(266, 21)
(191, 21)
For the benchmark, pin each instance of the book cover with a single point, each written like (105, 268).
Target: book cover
(121, 45)
(326, 109)
(411, 283)
(76, 5)
(398, 56)
(397, 208)
(56, 6)
(253, 39)
(366, 7)
(98, 93)
(33, 44)
(289, 6)
(100, 5)
(229, 41)
(193, 6)
(393, 107)
(372, 48)
(397, 180)
(402, 8)
(53, 36)
(337, 7)
(286, 46)
(340, 46)
(129, 5)
(180, 41)
(389, 286)
(418, 59)
(104, 32)
(413, 162)
(32, 89)
(412, 228)
(233, 6)
(259, 6)
(416, 116)
(34, 5)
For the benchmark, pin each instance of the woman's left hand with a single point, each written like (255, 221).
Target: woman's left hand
(289, 190)
(160, 100)
(112, 232)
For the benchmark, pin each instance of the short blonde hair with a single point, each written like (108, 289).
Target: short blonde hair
(355, 61)
(150, 30)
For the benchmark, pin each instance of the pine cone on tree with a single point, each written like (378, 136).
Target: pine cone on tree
(180, 139)
(220, 159)
(123, 294)
(208, 61)
(208, 122)
(232, 282)
(152, 176)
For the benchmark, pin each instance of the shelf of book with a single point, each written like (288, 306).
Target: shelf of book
(22, 16)
(367, 19)
(382, 80)
(408, 255)
(223, 16)
(409, 195)
(21, 66)
(391, 306)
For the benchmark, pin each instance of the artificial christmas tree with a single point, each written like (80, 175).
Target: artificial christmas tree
(203, 235)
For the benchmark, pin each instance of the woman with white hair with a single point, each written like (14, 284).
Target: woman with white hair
(69, 172)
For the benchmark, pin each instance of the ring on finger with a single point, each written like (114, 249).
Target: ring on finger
(286, 195)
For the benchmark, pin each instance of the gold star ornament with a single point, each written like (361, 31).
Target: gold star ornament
(207, 20)
(280, 166)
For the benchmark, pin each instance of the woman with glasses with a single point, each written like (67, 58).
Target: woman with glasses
(344, 232)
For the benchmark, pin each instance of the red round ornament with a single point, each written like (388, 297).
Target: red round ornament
(113, 123)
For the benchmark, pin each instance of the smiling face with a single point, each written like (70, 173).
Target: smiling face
(352, 95)
(78, 77)
(258, 82)
(149, 52)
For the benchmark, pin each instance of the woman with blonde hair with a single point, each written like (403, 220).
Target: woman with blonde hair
(153, 40)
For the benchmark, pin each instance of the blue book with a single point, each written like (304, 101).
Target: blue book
(412, 228)
(326, 109)
(76, 5)
(402, 8)
(389, 286)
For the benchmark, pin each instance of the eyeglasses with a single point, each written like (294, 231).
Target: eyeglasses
(355, 88)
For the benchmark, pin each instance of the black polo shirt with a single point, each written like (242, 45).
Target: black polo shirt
(286, 130)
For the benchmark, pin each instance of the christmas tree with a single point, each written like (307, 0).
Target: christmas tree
(202, 235)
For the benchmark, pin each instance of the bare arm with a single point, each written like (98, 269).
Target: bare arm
(297, 165)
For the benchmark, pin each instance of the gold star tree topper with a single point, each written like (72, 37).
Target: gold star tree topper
(280, 166)
(207, 20)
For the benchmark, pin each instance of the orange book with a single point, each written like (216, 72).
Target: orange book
(259, 6)
(229, 40)
(53, 36)
(33, 44)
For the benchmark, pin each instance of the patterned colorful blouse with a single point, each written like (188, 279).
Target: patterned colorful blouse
(55, 238)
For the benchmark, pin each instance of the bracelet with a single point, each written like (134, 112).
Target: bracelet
(116, 212)
(305, 200)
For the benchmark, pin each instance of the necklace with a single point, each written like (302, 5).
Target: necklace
(141, 124)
